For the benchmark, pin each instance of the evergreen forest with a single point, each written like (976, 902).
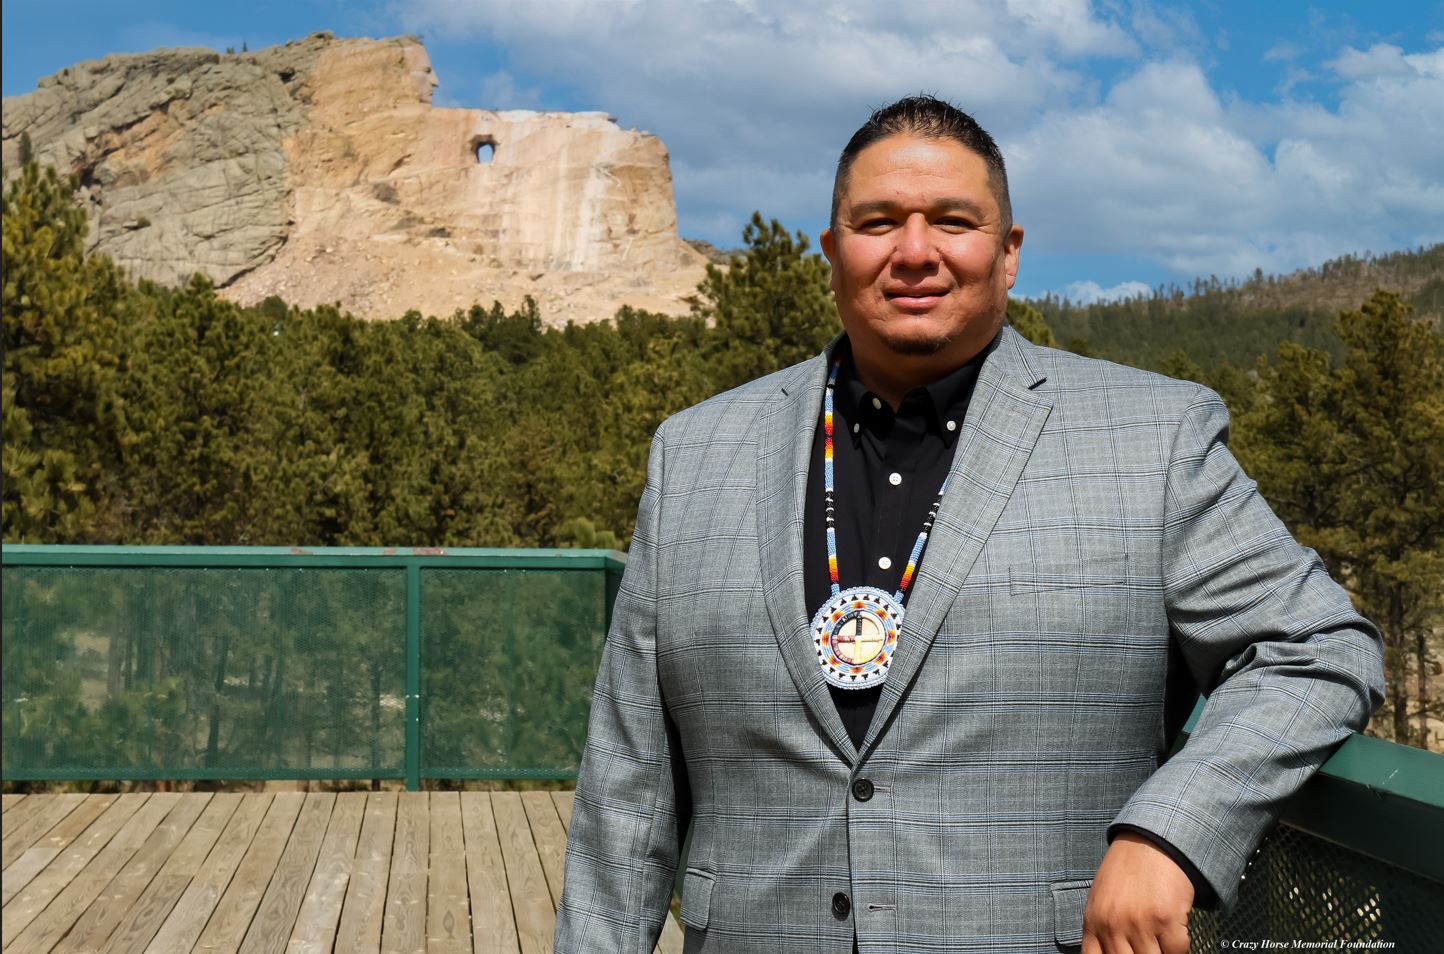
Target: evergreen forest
(141, 414)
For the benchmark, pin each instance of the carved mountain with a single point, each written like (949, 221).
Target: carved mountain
(320, 171)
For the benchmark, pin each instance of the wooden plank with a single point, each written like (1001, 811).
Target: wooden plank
(10, 800)
(19, 836)
(403, 929)
(321, 910)
(550, 838)
(672, 938)
(530, 899)
(70, 904)
(448, 916)
(144, 919)
(565, 802)
(44, 851)
(188, 918)
(360, 928)
(271, 927)
(100, 920)
(25, 809)
(493, 928)
(226, 929)
(33, 898)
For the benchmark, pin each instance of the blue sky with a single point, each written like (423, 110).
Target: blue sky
(1147, 142)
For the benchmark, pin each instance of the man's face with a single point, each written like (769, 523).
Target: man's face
(920, 264)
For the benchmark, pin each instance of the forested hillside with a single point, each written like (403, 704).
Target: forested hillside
(142, 414)
(1232, 323)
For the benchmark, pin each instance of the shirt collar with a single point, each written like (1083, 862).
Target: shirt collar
(944, 400)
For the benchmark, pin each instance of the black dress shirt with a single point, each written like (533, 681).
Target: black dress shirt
(887, 469)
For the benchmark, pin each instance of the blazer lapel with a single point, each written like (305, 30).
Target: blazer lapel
(1002, 424)
(784, 454)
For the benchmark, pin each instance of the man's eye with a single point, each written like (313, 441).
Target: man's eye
(875, 223)
(955, 223)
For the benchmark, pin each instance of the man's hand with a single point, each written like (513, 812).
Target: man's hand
(1139, 901)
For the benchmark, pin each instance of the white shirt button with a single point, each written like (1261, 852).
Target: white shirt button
(952, 425)
(877, 404)
(894, 478)
(884, 564)
(855, 427)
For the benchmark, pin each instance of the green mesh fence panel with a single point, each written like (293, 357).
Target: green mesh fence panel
(193, 672)
(239, 662)
(509, 659)
(1301, 892)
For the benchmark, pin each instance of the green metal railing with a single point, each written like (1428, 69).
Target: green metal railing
(1356, 861)
(275, 663)
(265, 663)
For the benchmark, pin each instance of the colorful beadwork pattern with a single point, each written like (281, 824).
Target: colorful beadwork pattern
(860, 658)
(855, 633)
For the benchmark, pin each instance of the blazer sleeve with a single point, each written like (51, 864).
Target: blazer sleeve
(623, 842)
(1288, 667)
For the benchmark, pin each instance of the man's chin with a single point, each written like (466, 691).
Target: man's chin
(916, 345)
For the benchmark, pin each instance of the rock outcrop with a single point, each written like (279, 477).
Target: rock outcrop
(320, 171)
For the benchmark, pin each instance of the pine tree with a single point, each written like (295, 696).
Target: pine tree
(197, 386)
(1352, 458)
(770, 308)
(1028, 322)
(63, 418)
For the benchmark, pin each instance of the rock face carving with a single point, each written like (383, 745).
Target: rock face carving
(319, 171)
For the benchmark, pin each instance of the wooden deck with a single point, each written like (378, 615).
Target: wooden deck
(356, 872)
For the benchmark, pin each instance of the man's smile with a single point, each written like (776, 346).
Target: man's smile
(915, 299)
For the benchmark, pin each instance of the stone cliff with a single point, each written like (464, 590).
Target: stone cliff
(319, 171)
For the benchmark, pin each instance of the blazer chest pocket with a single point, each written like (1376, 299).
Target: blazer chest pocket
(1097, 596)
(696, 898)
(1026, 578)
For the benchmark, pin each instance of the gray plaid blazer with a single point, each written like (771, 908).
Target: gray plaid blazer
(1097, 534)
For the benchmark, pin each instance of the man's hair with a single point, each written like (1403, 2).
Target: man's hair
(929, 118)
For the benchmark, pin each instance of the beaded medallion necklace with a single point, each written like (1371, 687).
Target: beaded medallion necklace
(856, 630)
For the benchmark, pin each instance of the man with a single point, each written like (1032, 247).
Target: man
(985, 776)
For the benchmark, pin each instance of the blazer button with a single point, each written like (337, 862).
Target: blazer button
(841, 906)
(862, 789)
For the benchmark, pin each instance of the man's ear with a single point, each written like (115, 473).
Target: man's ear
(828, 241)
(1013, 244)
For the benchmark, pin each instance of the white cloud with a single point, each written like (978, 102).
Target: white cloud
(718, 208)
(1163, 26)
(1165, 169)
(1282, 52)
(499, 90)
(1154, 170)
(754, 100)
(1376, 164)
(1381, 59)
(787, 82)
(1086, 293)
(1072, 28)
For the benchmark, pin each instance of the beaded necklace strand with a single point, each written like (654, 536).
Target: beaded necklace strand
(829, 498)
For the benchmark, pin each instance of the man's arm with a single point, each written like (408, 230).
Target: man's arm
(1289, 668)
(623, 843)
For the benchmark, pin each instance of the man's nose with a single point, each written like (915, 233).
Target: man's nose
(915, 247)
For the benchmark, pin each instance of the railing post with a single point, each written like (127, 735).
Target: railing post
(413, 675)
